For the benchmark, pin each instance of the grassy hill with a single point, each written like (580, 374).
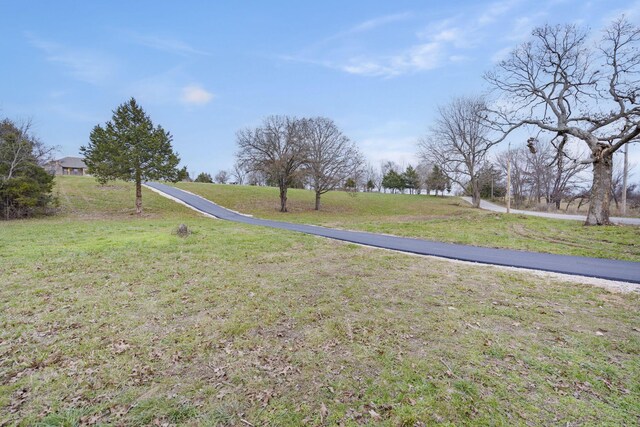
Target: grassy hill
(81, 197)
(110, 319)
(446, 219)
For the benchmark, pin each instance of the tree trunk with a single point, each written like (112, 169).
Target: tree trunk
(557, 201)
(317, 200)
(475, 193)
(138, 194)
(283, 199)
(600, 192)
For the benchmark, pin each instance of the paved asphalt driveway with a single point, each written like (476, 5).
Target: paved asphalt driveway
(497, 208)
(625, 271)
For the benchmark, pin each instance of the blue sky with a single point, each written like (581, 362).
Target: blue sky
(205, 69)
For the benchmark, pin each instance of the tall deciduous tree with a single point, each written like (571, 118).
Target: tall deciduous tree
(560, 83)
(276, 150)
(331, 156)
(131, 148)
(459, 142)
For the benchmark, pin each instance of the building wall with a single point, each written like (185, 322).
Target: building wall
(72, 171)
(53, 168)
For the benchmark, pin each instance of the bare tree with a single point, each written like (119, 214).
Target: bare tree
(542, 174)
(277, 149)
(617, 187)
(19, 149)
(222, 177)
(373, 177)
(424, 170)
(458, 142)
(331, 157)
(239, 173)
(256, 178)
(519, 172)
(559, 83)
(567, 172)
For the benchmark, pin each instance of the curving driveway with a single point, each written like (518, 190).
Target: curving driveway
(497, 208)
(625, 271)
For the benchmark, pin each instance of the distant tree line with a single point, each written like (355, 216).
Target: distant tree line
(425, 177)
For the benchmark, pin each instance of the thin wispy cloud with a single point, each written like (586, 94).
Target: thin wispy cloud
(421, 56)
(378, 22)
(439, 43)
(359, 28)
(85, 65)
(196, 95)
(446, 41)
(369, 25)
(496, 10)
(417, 58)
(164, 44)
(454, 32)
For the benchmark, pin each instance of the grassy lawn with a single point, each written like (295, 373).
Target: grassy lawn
(109, 319)
(446, 219)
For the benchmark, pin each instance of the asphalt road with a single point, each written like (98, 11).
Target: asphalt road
(497, 208)
(625, 271)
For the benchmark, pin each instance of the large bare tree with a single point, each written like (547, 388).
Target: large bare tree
(276, 149)
(458, 142)
(558, 82)
(331, 156)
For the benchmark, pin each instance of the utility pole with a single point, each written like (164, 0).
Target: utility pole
(624, 179)
(509, 178)
(491, 184)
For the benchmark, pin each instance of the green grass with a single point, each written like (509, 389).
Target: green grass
(115, 320)
(81, 197)
(446, 219)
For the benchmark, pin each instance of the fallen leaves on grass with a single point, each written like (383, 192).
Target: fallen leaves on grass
(120, 347)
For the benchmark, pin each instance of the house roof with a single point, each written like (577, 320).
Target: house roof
(72, 162)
